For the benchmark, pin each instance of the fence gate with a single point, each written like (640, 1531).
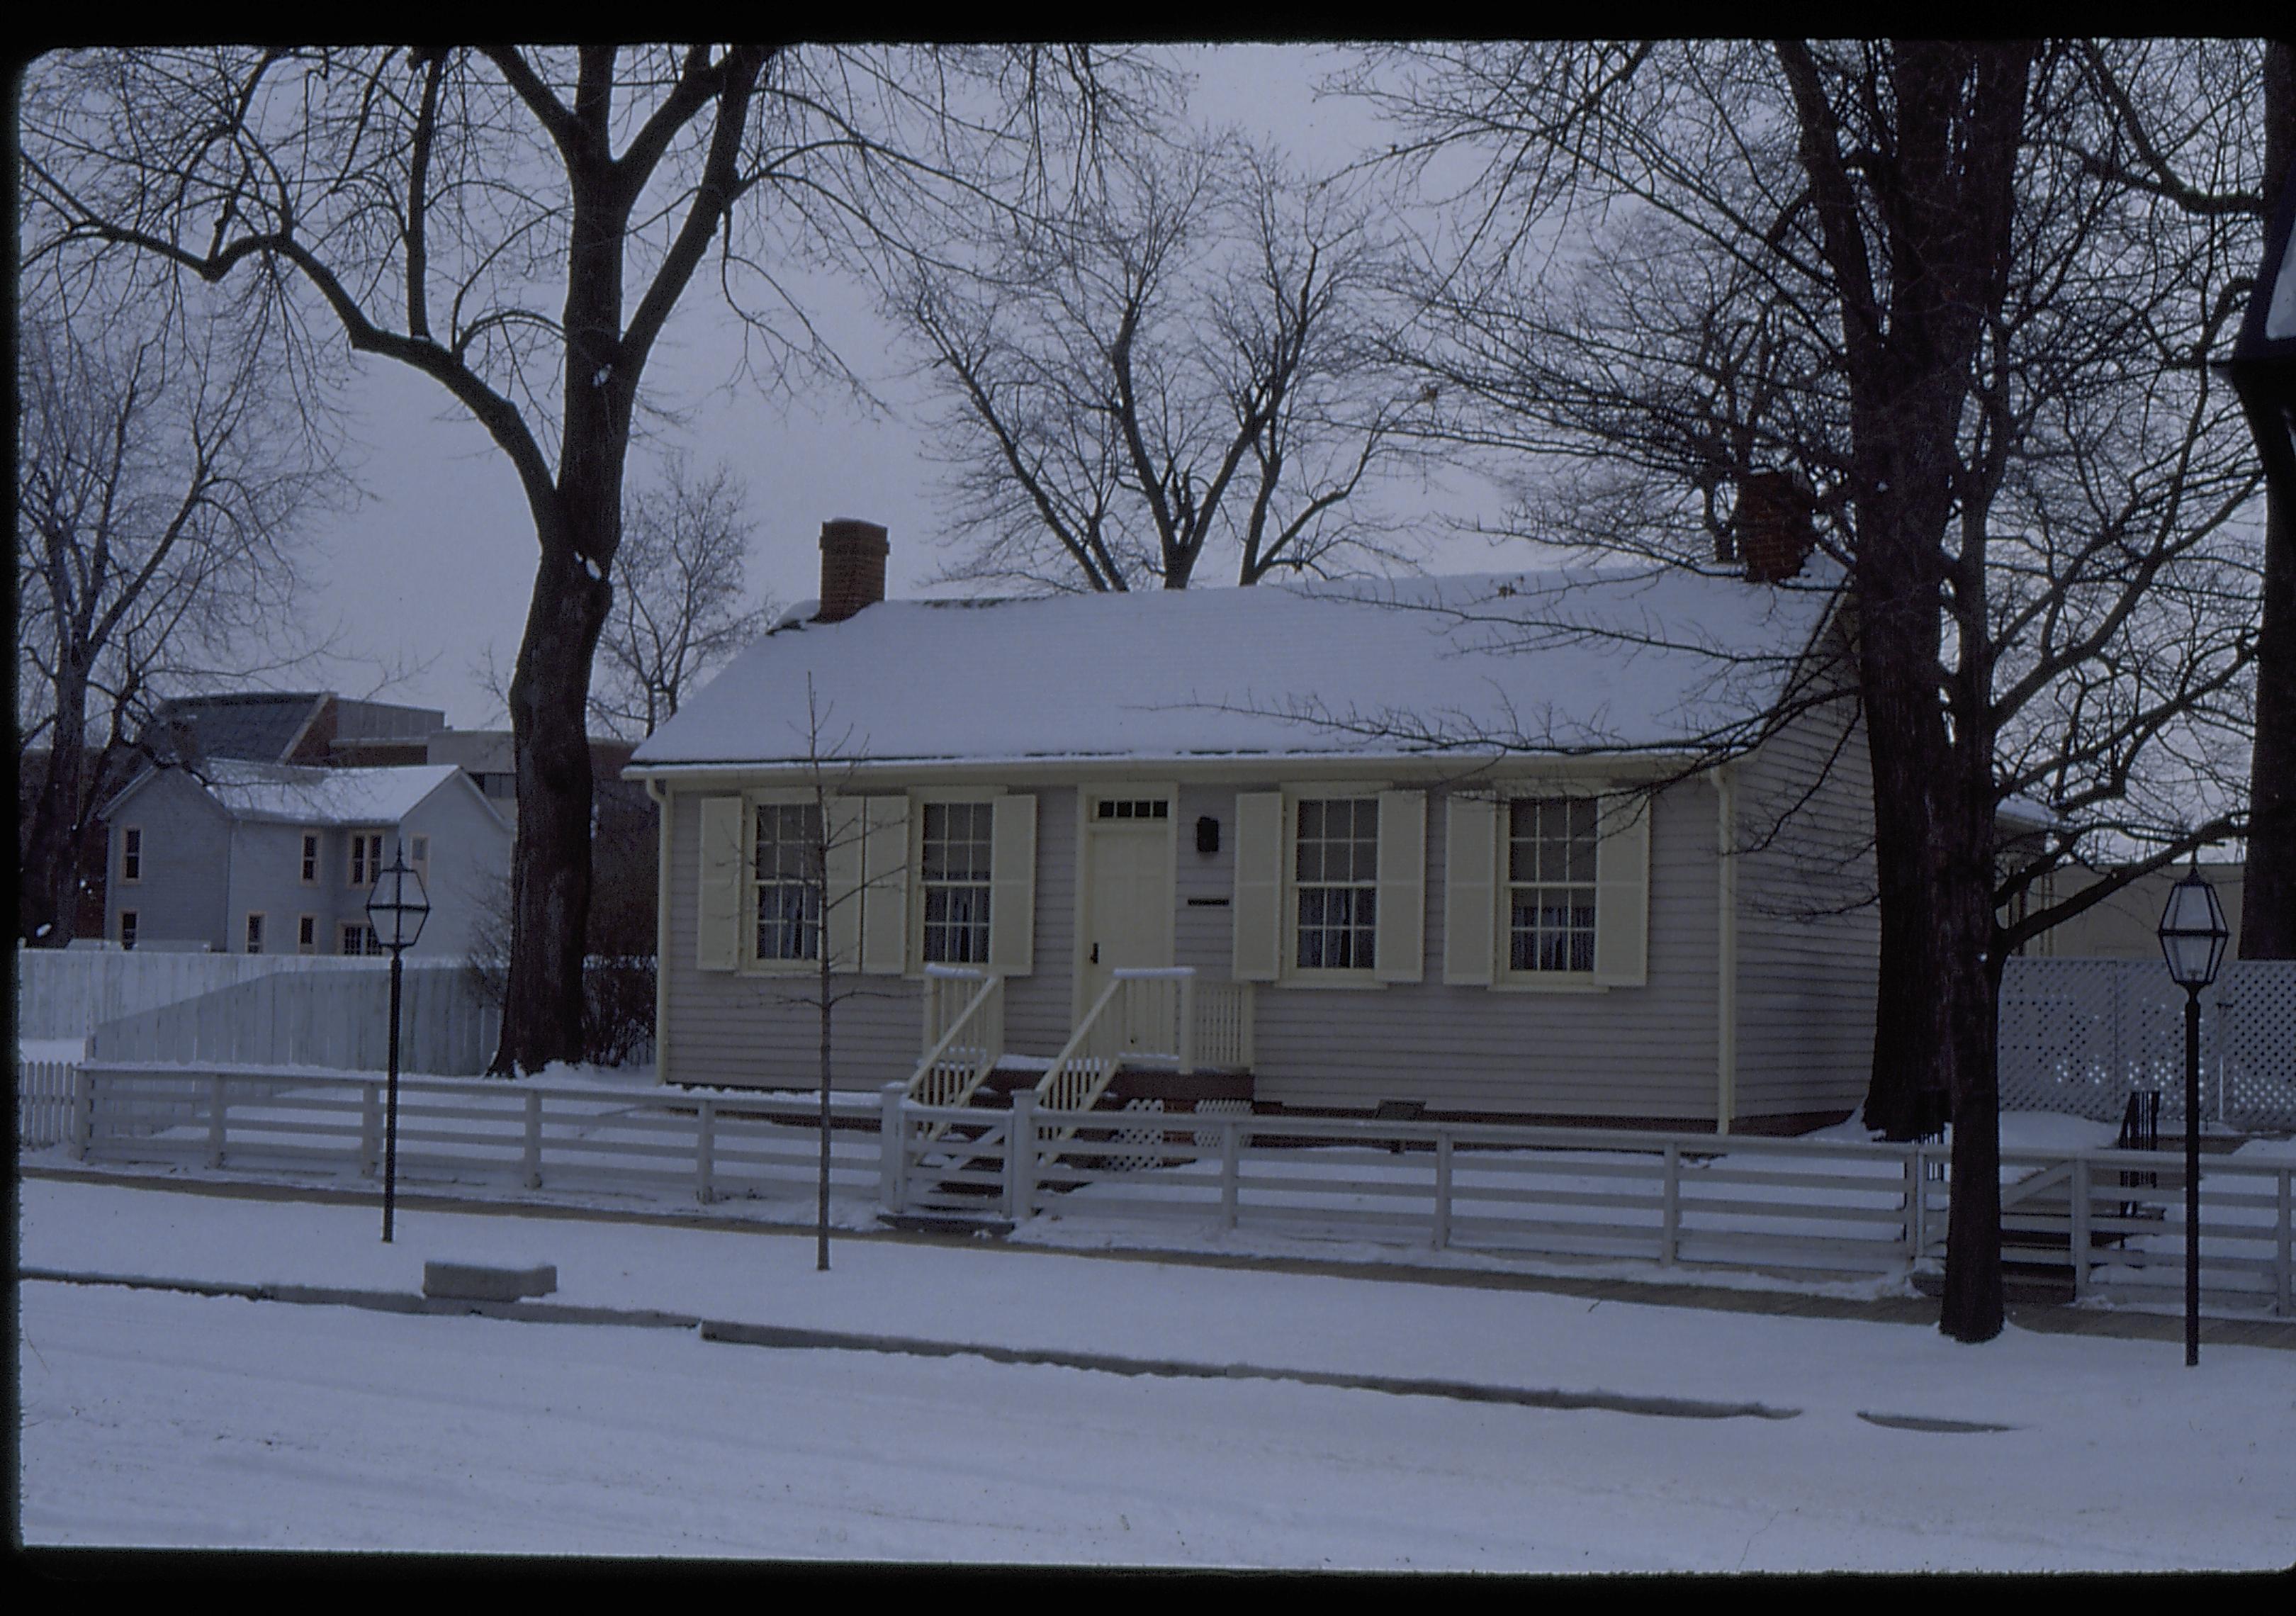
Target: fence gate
(2081, 1036)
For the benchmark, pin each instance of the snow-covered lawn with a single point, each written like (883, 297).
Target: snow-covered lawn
(167, 1419)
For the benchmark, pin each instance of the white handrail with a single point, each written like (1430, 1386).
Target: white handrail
(991, 1027)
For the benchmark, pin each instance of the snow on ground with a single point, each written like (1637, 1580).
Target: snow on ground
(166, 1419)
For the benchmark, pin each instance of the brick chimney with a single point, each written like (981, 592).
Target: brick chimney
(1774, 526)
(852, 568)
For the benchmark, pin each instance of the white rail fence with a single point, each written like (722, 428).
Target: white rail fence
(1811, 1207)
(2079, 1036)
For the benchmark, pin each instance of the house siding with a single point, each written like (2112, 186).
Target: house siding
(1625, 1052)
(186, 846)
(469, 868)
(741, 1028)
(1809, 933)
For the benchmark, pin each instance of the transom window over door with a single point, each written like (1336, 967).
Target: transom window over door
(1337, 874)
(1551, 853)
(788, 894)
(955, 854)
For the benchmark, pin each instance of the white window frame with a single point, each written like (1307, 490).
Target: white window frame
(131, 855)
(252, 938)
(365, 934)
(1288, 914)
(1502, 965)
(314, 851)
(920, 805)
(750, 959)
(365, 851)
(307, 934)
(418, 856)
(128, 926)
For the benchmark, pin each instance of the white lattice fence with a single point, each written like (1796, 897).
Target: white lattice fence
(2081, 1036)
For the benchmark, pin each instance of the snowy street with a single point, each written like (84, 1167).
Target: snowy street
(162, 1418)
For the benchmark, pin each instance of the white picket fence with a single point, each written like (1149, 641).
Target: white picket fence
(1806, 1206)
(2079, 1036)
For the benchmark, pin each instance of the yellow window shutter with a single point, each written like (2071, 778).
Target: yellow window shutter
(885, 890)
(1400, 926)
(1470, 890)
(1622, 891)
(1259, 886)
(840, 900)
(717, 934)
(1012, 886)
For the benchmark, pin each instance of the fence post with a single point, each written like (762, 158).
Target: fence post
(1187, 1023)
(1231, 1134)
(2287, 1305)
(215, 1119)
(2079, 1243)
(1913, 1176)
(1442, 1188)
(705, 1150)
(370, 1145)
(1020, 1157)
(1671, 1230)
(1917, 1166)
(83, 1131)
(533, 1155)
(892, 1178)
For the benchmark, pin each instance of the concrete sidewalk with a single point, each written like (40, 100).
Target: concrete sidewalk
(1655, 1292)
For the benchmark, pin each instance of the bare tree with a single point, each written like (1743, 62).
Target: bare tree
(1873, 271)
(520, 227)
(680, 607)
(157, 482)
(1186, 367)
(2176, 112)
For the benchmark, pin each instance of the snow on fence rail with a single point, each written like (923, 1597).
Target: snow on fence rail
(1814, 1206)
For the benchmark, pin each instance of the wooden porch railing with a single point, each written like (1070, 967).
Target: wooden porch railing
(1162, 1017)
(962, 1040)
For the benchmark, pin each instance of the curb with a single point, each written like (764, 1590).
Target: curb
(788, 1338)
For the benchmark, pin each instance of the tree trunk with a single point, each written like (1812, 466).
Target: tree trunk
(1971, 997)
(550, 861)
(47, 904)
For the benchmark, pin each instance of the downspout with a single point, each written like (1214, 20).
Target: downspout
(658, 795)
(1726, 949)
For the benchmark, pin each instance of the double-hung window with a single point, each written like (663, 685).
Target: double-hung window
(367, 857)
(310, 858)
(786, 885)
(1550, 880)
(131, 853)
(910, 880)
(953, 866)
(1336, 876)
(1547, 891)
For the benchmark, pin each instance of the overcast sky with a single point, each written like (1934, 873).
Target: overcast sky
(435, 568)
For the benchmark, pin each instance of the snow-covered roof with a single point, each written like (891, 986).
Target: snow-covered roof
(1579, 659)
(324, 796)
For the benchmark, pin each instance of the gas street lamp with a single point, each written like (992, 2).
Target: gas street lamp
(2193, 934)
(395, 910)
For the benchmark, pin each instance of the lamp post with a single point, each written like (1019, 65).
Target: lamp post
(2193, 935)
(397, 915)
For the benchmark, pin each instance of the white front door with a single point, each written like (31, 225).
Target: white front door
(1128, 908)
